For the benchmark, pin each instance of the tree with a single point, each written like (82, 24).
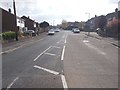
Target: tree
(44, 25)
(64, 24)
(81, 24)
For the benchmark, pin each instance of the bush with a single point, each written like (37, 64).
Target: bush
(8, 35)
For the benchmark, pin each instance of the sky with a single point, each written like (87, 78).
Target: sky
(54, 11)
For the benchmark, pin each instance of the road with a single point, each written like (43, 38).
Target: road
(64, 60)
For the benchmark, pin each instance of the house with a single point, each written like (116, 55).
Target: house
(8, 20)
(71, 25)
(113, 22)
(90, 25)
(29, 23)
(21, 24)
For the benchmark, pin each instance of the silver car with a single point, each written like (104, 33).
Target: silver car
(51, 32)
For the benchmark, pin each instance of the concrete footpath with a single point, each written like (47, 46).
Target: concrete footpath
(111, 40)
(14, 44)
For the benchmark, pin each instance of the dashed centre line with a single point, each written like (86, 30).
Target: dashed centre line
(62, 56)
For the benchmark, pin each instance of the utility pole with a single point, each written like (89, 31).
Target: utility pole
(53, 22)
(16, 30)
(88, 18)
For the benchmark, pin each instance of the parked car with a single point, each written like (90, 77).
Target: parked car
(51, 32)
(97, 30)
(57, 30)
(76, 30)
(30, 32)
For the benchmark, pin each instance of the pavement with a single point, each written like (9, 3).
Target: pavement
(22, 41)
(108, 39)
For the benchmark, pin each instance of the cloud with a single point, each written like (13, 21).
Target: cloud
(114, 1)
(71, 10)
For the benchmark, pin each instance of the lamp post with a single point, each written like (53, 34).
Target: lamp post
(53, 22)
(16, 31)
(88, 15)
(88, 18)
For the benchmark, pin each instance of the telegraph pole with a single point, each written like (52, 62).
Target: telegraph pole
(88, 18)
(16, 30)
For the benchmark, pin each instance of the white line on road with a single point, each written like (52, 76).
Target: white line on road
(85, 41)
(66, 39)
(55, 47)
(10, 50)
(63, 36)
(95, 48)
(50, 54)
(42, 53)
(12, 83)
(62, 56)
(1, 53)
(48, 70)
(59, 41)
(65, 86)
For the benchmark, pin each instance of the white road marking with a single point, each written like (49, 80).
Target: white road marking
(10, 50)
(41, 39)
(48, 70)
(1, 53)
(85, 41)
(63, 36)
(55, 46)
(95, 48)
(42, 53)
(62, 56)
(50, 54)
(66, 39)
(12, 83)
(59, 41)
(65, 86)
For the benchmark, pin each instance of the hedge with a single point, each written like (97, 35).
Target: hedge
(8, 35)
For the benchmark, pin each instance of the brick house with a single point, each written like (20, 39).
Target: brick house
(29, 23)
(8, 20)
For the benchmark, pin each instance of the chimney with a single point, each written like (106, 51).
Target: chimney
(116, 10)
(9, 10)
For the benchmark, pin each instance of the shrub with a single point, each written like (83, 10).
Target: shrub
(8, 35)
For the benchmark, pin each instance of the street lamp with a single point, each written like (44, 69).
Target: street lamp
(88, 15)
(53, 22)
(88, 18)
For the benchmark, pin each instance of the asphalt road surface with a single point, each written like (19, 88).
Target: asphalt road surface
(64, 60)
